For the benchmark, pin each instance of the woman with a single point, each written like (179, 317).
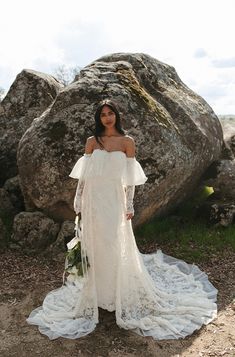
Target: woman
(152, 294)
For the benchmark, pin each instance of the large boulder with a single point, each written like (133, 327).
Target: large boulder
(177, 134)
(33, 231)
(221, 173)
(65, 234)
(12, 187)
(221, 176)
(6, 206)
(228, 127)
(3, 234)
(220, 208)
(217, 212)
(29, 96)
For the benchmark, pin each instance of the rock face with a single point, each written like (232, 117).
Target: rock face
(29, 96)
(228, 126)
(2, 234)
(221, 174)
(6, 204)
(65, 234)
(176, 132)
(33, 231)
(12, 187)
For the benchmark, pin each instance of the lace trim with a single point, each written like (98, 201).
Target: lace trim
(130, 192)
(78, 196)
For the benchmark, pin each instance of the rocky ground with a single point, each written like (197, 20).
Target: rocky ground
(26, 280)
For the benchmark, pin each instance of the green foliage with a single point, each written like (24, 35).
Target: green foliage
(187, 236)
(74, 259)
(189, 207)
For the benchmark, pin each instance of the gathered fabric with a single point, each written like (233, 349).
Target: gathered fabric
(152, 294)
(110, 164)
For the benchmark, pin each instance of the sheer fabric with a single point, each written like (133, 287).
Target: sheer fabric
(78, 196)
(130, 192)
(152, 294)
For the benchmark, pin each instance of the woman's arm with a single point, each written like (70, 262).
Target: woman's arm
(89, 145)
(130, 190)
(130, 146)
(78, 197)
(81, 183)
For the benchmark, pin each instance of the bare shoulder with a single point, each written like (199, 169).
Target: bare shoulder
(89, 144)
(129, 140)
(129, 146)
(91, 139)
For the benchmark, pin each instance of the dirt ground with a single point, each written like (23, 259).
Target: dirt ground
(26, 280)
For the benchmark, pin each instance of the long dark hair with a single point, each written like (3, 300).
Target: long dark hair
(99, 127)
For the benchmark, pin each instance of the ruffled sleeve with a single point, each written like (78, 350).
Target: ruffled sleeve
(133, 173)
(80, 168)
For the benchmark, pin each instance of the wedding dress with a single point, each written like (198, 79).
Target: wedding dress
(152, 294)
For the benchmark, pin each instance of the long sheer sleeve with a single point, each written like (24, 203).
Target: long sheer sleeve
(78, 196)
(133, 176)
(79, 172)
(130, 192)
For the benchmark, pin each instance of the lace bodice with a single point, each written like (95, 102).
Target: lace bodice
(113, 165)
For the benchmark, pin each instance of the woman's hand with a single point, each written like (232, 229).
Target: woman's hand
(129, 215)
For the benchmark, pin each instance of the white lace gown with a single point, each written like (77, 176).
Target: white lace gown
(152, 294)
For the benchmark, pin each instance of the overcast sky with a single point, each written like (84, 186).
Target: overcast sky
(194, 36)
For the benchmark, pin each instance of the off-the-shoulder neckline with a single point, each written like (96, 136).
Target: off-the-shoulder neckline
(110, 152)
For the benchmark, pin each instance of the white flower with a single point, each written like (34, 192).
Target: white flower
(73, 242)
(73, 270)
(71, 278)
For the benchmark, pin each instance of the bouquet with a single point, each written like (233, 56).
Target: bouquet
(76, 261)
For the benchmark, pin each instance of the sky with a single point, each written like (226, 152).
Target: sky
(196, 37)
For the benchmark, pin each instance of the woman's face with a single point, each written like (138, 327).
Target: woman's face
(107, 117)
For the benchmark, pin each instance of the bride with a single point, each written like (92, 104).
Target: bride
(152, 294)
